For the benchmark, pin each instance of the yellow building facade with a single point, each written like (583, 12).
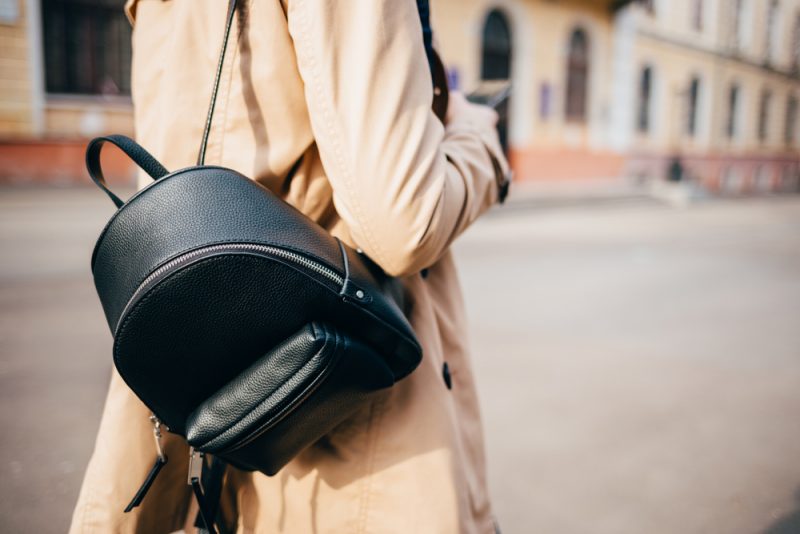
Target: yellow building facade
(724, 91)
(545, 41)
(700, 89)
(64, 78)
(644, 90)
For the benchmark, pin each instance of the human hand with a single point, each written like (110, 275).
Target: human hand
(460, 109)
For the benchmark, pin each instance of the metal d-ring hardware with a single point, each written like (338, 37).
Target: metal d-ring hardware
(157, 436)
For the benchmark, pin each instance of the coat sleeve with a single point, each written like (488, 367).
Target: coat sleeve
(406, 185)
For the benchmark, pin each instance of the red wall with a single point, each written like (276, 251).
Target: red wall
(565, 164)
(59, 162)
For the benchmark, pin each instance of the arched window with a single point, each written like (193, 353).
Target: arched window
(496, 56)
(496, 62)
(731, 125)
(577, 76)
(693, 106)
(645, 100)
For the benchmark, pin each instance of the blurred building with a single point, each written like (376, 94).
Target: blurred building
(648, 89)
(64, 77)
(702, 89)
(716, 85)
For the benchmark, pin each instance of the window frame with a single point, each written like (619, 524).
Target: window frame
(492, 49)
(698, 16)
(644, 119)
(577, 86)
(694, 94)
(86, 49)
(792, 112)
(764, 108)
(771, 30)
(732, 126)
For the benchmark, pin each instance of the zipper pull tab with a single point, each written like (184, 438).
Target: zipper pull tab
(195, 466)
(205, 512)
(157, 436)
(161, 461)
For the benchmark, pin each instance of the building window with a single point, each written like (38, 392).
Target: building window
(771, 30)
(736, 23)
(733, 111)
(496, 62)
(577, 76)
(87, 47)
(693, 106)
(791, 120)
(763, 115)
(645, 100)
(795, 52)
(496, 57)
(697, 15)
(545, 101)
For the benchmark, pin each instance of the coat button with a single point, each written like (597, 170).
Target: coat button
(448, 380)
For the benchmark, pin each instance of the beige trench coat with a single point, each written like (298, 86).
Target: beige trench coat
(344, 82)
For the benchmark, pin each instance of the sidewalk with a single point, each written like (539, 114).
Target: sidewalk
(603, 192)
(562, 193)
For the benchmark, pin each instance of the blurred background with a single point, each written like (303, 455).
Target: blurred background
(642, 371)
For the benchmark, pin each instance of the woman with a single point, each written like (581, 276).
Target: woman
(346, 85)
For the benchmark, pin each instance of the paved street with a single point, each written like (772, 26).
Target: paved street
(639, 366)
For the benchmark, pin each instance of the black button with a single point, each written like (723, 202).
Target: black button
(424, 273)
(448, 380)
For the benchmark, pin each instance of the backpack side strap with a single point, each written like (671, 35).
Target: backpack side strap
(132, 149)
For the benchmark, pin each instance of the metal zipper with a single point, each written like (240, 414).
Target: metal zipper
(266, 250)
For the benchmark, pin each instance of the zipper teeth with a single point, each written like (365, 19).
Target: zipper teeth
(293, 257)
(275, 251)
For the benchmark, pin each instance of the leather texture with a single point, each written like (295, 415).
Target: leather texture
(189, 209)
(237, 318)
(289, 382)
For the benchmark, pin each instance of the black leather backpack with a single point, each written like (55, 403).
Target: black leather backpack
(243, 325)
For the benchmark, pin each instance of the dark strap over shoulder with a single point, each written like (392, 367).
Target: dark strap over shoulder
(132, 149)
(201, 156)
